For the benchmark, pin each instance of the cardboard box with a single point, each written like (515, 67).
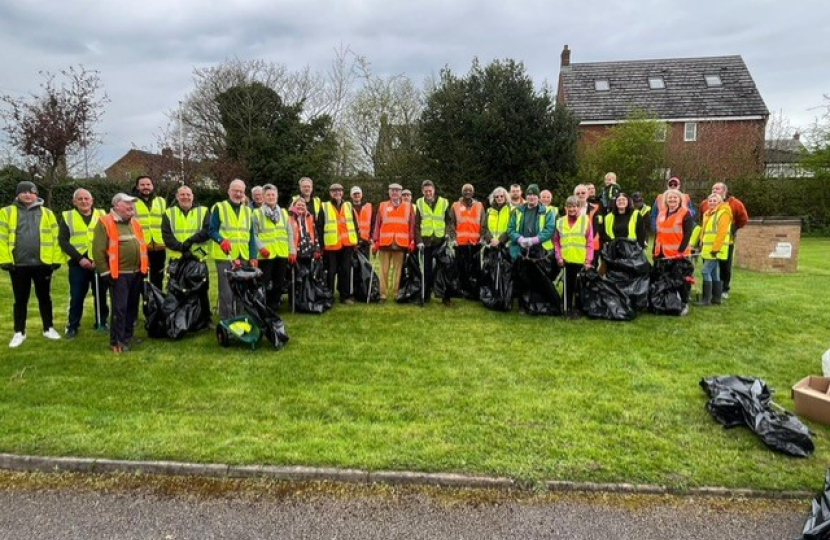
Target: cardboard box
(811, 399)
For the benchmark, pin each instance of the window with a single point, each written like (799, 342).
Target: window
(660, 132)
(713, 80)
(656, 82)
(690, 131)
(602, 85)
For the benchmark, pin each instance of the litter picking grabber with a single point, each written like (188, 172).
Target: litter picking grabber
(565, 290)
(371, 278)
(97, 303)
(423, 273)
(293, 287)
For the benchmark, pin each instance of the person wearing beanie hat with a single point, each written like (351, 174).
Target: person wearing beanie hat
(30, 252)
(466, 226)
(532, 189)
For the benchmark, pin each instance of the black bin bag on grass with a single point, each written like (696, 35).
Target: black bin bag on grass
(366, 281)
(497, 279)
(668, 290)
(627, 266)
(817, 526)
(409, 291)
(310, 292)
(188, 283)
(602, 299)
(445, 273)
(538, 296)
(155, 311)
(246, 285)
(747, 401)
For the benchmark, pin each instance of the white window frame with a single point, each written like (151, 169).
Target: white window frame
(656, 82)
(602, 85)
(713, 80)
(690, 132)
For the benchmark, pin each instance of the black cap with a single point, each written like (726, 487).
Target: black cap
(636, 196)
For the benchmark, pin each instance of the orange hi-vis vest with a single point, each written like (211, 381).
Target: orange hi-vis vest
(670, 234)
(112, 244)
(467, 223)
(364, 221)
(308, 218)
(394, 226)
(591, 216)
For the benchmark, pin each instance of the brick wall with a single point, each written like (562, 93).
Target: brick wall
(768, 245)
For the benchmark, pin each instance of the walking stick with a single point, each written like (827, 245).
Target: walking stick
(371, 278)
(97, 302)
(565, 290)
(423, 277)
(293, 287)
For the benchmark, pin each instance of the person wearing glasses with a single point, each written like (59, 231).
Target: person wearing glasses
(498, 218)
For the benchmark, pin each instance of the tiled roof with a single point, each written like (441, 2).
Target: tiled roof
(686, 93)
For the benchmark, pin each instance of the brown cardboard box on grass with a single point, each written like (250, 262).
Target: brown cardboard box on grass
(811, 396)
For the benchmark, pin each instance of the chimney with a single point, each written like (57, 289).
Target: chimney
(797, 136)
(566, 57)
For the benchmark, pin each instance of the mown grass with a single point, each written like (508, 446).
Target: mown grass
(456, 389)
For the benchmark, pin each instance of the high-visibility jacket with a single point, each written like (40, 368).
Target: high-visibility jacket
(108, 221)
(591, 215)
(338, 227)
(669, 234)
(695, 240)
(433, 220)
(543, 219)
(236, 228)
(572, 238)
(364, 221)
(80, 234)
(306, 221)
(394, 226)
(50, 249)
(150, 219)
(467, 223)
(274, 236)
(184, 226)
(632, 225)
(717, 230)
(316, 203)
(498, 220)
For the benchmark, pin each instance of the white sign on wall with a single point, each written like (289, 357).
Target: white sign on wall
(783, 250)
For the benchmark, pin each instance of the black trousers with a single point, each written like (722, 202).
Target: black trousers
(429, 259)
(725, 268)
(572, 270)
(157, 260)
(22, 279)
(80, 281)
(339, 264)
(126, 296)
(273, 279)
(469, 267)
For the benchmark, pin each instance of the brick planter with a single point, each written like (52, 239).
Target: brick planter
(769, 244)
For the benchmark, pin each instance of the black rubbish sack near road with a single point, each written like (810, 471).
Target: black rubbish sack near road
(409, 291)
(747, 401)
(817, 526)
(627, 266)
(445, 273)
(366, 281)
(310, 292)
(537, 295)
(497, 279)
(246, 285)
(602, 299)
(670, 283)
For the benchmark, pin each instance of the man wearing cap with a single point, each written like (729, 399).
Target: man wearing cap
(232, 231)
(76, 229)
(313, 204)
(406, 196)
(466, 225)
(29, 252)
(363, 211)
(739, 219)
(394, 235)
(149, 209)
(120, 254)
(660, 205)
(431, 215)
(339, 241)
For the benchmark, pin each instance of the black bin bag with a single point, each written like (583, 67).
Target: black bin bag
(497, 279)
(445, 273)
(817, 526)
(627, 267)
(310, 292)
(602, 299)
(366, 281)
(246, 286)
(409, 291)
(537, 294)
(669, 287)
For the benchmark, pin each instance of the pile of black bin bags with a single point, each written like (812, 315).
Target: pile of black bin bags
(185, 307)
(817, 526)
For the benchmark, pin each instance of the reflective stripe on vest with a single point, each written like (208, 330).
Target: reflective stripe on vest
(150, 218)
(632, 225)
(572, 239)
(710, 233)
(50, 251)
(467, 223)
(542, 222)
(670, 234)
(364, 221)
(112, 245)
(338, 228)
(497, 220)
(394, 227)
(80, 234)
(274, 236)
(236, 228)
(433, 221)
(184, 226)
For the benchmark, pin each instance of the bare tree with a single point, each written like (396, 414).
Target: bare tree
(51, 127)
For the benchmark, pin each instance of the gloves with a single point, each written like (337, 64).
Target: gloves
(186, 245)
(318, 255)
(254, 263)
(264, 253)
(225, 246)
(292, 258)
(375, 248)
(523, 242)
(8, 267)
(412, 247)
(533, 241)
(55, 267)
(560, 263)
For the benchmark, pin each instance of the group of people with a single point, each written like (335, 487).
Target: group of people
(114, 251)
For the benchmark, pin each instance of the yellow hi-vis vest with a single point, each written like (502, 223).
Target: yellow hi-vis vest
(236, 228)
(497, 220)
(632, 225)
(150, 219)
(710, 233)
(572, 239)
(80, 234)
(50, 249)
(331, 231)
(274, 236)
(183, 226)
(433, 222)
(543, 220)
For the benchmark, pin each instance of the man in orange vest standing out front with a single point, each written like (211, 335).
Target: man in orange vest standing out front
(394, 235)
(363, 211)
(120, 255)
(467, 224)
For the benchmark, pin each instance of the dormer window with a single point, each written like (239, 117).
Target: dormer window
(602, 85)
(713, 80)
(656, 82)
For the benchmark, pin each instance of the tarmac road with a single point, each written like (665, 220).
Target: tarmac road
(151, 509)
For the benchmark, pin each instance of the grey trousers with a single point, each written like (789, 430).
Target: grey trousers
(228, 308)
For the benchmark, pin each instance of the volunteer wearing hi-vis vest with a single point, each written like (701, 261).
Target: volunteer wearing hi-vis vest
(29, 252)
(184, 229)
(119, 251)
(717, 231)
(465, 227)
(149, 210)
(673, 235)
(394, 235)
(234, 241)
(275, 235)
(431, 215)
(623, 221)
(339, 242)
(573, 244)
(76, 229)
(363, 211)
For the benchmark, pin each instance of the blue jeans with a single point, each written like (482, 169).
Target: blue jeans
(80, 281)
(711, 270)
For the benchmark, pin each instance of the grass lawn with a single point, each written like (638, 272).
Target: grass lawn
(458, 389)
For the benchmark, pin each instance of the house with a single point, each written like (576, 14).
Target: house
(714, 115)
(783, 158)
(164, 166)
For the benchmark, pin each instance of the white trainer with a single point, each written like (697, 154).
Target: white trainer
(17, 339)
(51, 334)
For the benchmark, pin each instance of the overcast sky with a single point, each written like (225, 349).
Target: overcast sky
(146, 51)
